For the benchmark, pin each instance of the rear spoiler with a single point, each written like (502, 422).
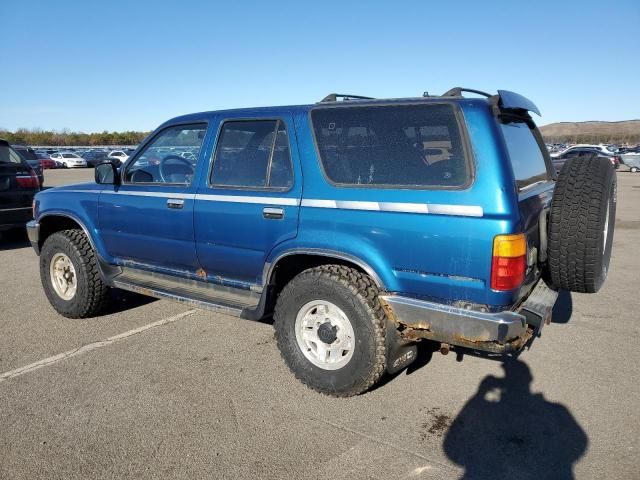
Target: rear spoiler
(514, 101)
(504, 100)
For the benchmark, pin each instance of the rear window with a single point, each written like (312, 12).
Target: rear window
(527, 159)
(413, 146)
(27, 153)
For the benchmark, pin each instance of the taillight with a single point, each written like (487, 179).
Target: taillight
(509, 262)
(28, 181)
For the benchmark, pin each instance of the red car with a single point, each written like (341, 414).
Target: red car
(45, 161)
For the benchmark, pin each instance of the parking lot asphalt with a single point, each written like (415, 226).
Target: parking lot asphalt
(154, 389)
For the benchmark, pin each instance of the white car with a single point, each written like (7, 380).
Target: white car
(603, 148)
(69, 160)
(118, 155)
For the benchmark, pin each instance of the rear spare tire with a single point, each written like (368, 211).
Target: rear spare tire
(581, 222)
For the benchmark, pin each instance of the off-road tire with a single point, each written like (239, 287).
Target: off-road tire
(92, 293)
(357, 295)
(578, 251)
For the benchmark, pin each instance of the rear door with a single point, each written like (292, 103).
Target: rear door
(249, 202)
(532, 170)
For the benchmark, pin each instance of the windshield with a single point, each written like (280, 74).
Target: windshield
(69, 155)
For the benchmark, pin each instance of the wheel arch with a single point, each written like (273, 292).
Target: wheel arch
(290, 263)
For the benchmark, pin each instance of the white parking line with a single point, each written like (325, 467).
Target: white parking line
(45, 362)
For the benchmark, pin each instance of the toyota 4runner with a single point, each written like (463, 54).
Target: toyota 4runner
(362, 225)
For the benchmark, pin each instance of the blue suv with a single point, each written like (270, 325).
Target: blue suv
(363, 226)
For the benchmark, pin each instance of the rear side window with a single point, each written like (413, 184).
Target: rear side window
(527, 159)
(413, 146)
(9, 155)
(253, 154)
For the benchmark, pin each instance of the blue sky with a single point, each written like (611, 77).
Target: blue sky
(130, 65)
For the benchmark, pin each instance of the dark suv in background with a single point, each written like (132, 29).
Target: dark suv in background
(18, 185)
(29, 154)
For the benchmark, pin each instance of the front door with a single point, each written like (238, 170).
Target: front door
(148, 219)
(249, 203)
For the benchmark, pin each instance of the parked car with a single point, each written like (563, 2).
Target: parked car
(600, 148)
(30, 156)
(118, 155)
(94, 157)
(560, 160)
(45, 161)
(69, 160)
(18, 185)
(364, 227)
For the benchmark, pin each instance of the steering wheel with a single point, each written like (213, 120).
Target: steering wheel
(164, 175)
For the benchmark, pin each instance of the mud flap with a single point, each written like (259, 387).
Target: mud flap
(400, 353)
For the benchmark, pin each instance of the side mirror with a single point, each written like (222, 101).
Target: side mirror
(106, 173)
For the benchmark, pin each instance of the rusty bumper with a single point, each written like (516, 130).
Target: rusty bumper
(500, 332)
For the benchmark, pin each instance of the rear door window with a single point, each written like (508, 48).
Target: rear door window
(527, 159)
(253, 154)
(411, 146)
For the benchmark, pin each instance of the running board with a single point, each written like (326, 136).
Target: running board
(212, 296)
(236, 312)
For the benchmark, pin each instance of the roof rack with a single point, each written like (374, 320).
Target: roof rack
(457, 92)
(333, 97)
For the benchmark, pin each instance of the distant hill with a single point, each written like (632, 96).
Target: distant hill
(627, 131)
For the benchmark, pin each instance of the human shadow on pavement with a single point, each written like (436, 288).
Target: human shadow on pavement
(507, 432)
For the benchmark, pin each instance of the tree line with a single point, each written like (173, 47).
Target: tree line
(66, 138)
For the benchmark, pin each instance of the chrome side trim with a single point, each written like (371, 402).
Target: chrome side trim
(269, 266)
(248, 199)
(189, 196)
(14, 209)
(401, 207)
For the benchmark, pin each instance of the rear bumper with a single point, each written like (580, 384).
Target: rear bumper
(501, 332)
(33, 232)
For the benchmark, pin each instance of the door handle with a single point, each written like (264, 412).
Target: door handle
(175, 203)
(273, 213)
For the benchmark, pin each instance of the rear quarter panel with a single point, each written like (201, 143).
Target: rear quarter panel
(442, 257)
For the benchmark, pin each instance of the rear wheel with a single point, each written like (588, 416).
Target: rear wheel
(634, 169)
(581, 224)
(70, 276)
(330, 329)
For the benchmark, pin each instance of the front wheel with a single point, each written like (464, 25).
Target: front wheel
(634, 169)
(70, 276)
(330, 329)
